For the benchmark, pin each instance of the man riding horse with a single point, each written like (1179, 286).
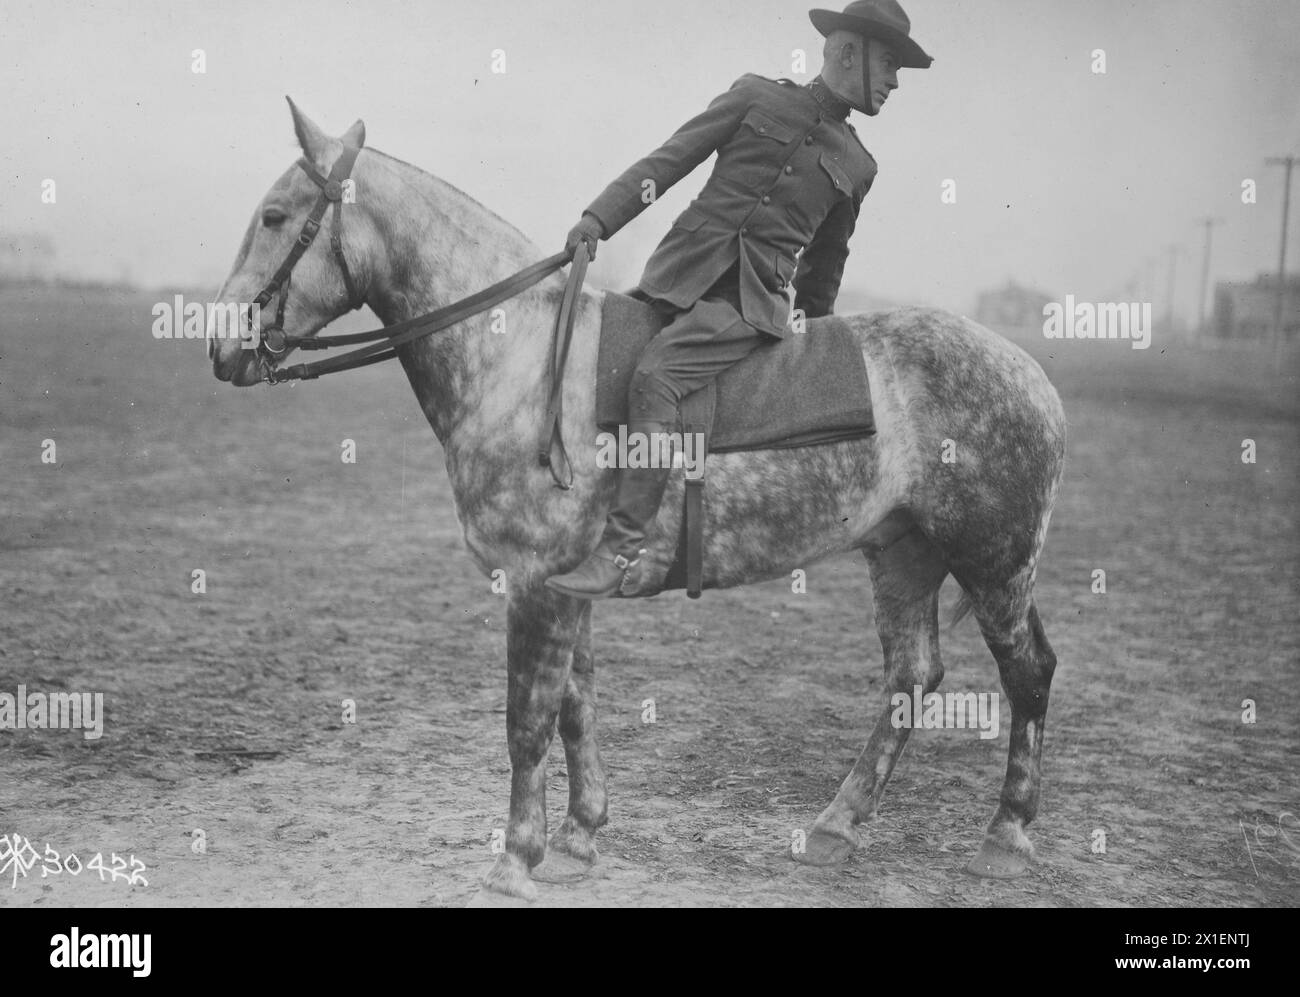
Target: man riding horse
(789, 180)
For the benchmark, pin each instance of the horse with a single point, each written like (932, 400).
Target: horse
(960, 479)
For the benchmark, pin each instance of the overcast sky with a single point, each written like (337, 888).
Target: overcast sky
(1065, 179)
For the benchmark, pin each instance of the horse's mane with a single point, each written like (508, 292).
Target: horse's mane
(450, 190)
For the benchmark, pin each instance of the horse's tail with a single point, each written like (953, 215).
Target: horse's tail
(961, 610)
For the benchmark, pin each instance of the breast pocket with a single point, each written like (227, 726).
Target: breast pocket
(840, 181)
(753, 157)
(767, 127)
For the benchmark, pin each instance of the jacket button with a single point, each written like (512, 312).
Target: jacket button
(807, 140)
(744, 231)
(766, 199)
(762, 129)
(789, 169)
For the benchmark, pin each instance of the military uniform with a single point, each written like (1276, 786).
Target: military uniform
(779, 208)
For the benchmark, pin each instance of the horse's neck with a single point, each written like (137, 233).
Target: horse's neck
(441, 246)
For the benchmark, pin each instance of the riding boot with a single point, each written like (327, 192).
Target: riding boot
(640, 490)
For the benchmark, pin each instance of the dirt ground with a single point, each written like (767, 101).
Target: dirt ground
(328, 582)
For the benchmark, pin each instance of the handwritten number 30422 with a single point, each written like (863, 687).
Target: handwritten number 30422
(51, 866)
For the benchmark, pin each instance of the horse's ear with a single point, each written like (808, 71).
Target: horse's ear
(356, 135)
(310, 137)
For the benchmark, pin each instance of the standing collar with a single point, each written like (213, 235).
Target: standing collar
(832, 105)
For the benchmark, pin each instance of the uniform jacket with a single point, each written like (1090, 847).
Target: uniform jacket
(789, 178)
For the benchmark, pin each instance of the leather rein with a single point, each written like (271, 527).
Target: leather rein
(274, 342)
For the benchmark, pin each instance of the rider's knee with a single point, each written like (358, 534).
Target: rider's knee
(654, 396)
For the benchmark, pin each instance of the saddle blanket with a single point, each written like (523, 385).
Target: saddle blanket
(804, 390)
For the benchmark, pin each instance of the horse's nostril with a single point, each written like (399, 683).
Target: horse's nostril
(212, 346)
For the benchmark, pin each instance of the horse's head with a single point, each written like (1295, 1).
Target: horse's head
(288, 283)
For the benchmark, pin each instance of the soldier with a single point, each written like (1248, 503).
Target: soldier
(789, 180)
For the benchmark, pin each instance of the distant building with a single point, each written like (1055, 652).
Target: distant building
(1244, 310)
(1011, 305)
(26, 256)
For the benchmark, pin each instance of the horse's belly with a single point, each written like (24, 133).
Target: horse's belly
(769, 512)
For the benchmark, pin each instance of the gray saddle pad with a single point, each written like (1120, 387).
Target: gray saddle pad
(804, 390)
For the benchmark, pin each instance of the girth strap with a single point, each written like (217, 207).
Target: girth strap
(697, 414)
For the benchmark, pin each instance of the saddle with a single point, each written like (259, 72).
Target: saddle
(808, 389)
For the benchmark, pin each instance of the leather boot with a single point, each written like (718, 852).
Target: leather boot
(640, 490)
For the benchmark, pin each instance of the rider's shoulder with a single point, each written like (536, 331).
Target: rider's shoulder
(857, 138)
(761, 84)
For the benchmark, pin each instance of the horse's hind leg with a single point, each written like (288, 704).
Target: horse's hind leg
(1009, 622)
(905, 578)
(572, 849)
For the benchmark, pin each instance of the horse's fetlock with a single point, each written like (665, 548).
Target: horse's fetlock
(1009, 835)
(529, 852)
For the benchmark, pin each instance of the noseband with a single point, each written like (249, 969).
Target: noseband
(273, 343)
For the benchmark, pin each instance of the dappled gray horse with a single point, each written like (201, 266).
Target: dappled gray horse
(960, 480)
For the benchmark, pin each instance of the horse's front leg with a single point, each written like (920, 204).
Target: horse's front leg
(571, 852)
(541, 627)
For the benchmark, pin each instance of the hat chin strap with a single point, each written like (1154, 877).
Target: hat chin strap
(869, 104)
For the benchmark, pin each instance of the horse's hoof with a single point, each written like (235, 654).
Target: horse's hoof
(826, 848)
(996, 862)
(509, 875)
(560, 868)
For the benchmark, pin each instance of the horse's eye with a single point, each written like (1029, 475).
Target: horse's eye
(273, 217)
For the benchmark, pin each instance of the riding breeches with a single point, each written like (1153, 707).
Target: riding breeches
(697, 345)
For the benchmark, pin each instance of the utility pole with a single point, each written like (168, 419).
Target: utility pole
(1289, 162)
(1209, 224)
(1169, 301)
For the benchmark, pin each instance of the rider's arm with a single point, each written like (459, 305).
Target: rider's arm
(821, 266)
(689, 146)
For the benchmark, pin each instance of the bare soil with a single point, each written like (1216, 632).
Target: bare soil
(328, 581)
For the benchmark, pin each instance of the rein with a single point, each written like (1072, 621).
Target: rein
(274, 342)
(392, 336)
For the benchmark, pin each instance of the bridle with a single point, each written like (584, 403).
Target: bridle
(273, 343)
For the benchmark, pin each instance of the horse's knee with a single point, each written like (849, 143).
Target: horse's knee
(577, 716)
(1042, 647)
(528, 744)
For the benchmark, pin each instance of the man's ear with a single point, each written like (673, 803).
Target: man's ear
(848, 52)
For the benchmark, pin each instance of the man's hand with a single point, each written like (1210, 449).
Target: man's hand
(588, 230)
